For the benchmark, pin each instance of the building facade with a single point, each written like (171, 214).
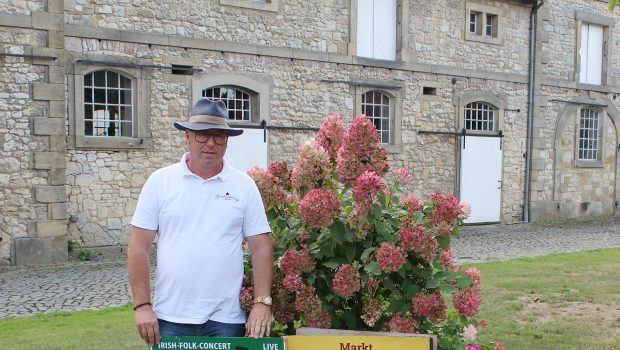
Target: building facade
(90, 90)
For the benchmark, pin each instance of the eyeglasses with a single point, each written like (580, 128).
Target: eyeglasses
(218, 139)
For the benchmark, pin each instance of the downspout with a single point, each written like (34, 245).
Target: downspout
(530, 108)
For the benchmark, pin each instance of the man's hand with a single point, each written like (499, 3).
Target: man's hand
(146, 323)
(259, 321)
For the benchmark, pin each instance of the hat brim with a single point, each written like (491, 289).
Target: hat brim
(194, 126)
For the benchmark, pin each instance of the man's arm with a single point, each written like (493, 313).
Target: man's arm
(261, 248)
(138, 267)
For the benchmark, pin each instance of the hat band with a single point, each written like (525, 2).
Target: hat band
(207, 119)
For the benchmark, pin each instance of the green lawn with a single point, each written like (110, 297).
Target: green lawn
(111, 328)
(558, 302)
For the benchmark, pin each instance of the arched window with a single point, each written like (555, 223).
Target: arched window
(480, 116)
(378, 107)
(238, 102)
(589, 134)
(108, 104)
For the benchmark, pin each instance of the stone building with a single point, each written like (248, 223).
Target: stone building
(511, 105)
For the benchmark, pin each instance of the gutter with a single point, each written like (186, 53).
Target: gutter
(530, 107)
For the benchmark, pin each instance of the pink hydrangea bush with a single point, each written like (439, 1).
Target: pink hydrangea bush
(355, 252)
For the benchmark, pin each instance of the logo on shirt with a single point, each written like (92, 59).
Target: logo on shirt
(227, 197)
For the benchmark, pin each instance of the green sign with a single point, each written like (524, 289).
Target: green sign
(224, 343)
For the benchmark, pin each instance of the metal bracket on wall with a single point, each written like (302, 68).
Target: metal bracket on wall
(34, 57)
(462, 133)
(137, 65)
(263, 125)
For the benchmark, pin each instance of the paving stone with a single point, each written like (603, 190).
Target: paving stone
(101, 283)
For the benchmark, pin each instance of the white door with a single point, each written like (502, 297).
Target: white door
(481, 174)
(247, 150)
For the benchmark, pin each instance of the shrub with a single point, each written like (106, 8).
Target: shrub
(354, 252)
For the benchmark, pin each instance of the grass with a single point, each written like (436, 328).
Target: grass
(565, 301)
(111, 328)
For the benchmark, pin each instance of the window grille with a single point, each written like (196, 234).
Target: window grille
(238, 102)
(474, 22)
(480, 116)
(108, 104)
(491, 25)
(376, 106)
(589, 135)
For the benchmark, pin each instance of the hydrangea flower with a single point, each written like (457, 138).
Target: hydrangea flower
(361, 151)
(319, 208)
(312, 169)
(466, 302)
(331, 134)
(347, 280)
(367, 188)
(390, 257)
(372, 312)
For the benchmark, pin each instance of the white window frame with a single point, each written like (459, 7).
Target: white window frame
(484, 109)
(252, 98)
(482, 13)
(595, 20)
(380, 118)
(396, 95)
(495, 102)
(599, 131)
(402, 35)
(262, 5)
(139, 139)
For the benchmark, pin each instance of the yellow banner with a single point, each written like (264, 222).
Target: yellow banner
(348, 342)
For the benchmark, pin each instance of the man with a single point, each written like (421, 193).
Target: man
(200, 209)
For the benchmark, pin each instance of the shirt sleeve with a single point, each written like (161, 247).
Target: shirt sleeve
(146, 215)
(254, 218)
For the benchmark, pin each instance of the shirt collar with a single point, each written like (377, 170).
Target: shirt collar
(222, 176)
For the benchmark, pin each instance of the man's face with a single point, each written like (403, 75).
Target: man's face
(207, 148)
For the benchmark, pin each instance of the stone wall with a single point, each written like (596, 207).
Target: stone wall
(52, 190)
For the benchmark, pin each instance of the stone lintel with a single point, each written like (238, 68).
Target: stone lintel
(55, 39)
(48, 91)
(48, 21)
(20, 21)
(58, 176)
(57, 211)
(56, 6)
(60, 251)
(58, 143)
(50, 194)
(48, 51)
(48, 126)
(33, 251)
(50, 228)
(57, 109)
(48, 160)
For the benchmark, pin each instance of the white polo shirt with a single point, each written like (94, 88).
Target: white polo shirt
(201, 225)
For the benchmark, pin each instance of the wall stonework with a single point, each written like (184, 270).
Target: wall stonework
(52, 191)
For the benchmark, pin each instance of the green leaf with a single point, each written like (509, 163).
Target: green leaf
(412, 290)
(444, 242)
(331, 264)
(350, 253)
(367, 253)
(337, 231)
(348, 233)
(612, 5)
(349, 319)
(464, 282)
(388, 284)
(446, 288)
(373, 268)
(396, 306)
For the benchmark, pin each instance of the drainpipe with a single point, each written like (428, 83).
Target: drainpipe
(530, 108)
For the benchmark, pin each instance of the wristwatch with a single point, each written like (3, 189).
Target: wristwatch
(264, 300)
